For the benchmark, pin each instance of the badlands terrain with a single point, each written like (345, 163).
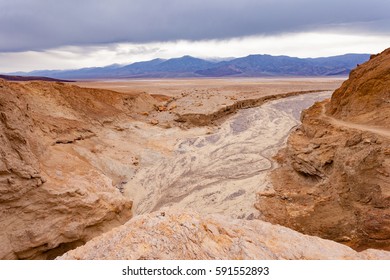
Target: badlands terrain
(197, 168)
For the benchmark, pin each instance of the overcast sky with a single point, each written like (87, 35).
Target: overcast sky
(47, 34)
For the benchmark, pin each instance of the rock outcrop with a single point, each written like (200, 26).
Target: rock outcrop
(365, 96)
(334, 179)
(51, 199)
(169, 235)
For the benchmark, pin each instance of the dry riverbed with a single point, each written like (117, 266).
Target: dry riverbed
(221, 170)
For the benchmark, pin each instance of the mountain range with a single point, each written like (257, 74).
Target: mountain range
(188, 66)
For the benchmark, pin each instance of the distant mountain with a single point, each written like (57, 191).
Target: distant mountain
(30, 78)
(188, 66)
(184, 64)
(267, 65)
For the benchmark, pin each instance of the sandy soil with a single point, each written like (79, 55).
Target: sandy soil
(238, 86)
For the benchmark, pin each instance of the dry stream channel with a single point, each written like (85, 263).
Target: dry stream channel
(221, 172)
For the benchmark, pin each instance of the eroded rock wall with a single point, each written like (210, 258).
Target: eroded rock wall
(365, 96)
(334, 179)
(50, 199)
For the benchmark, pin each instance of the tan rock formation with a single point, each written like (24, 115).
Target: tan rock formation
(51, 199)
(334, 179)
(365, 96)
(168, 235)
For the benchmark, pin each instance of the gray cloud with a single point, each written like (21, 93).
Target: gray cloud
(43, 24)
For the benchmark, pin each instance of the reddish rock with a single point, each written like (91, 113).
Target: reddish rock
(154, 122)
(162, 108)
(365, 96)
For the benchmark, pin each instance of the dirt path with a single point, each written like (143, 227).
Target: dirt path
(337, 122)
(221, 172)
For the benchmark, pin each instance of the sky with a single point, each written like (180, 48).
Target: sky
(47, 34)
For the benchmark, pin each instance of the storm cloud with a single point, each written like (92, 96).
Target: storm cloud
(44, 24)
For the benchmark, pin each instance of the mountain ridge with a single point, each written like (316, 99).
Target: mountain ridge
(30, 78)
(254, 65)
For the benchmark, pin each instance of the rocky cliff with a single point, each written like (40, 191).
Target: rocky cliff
(51, 198)
(334, 178)
(169, 235)
(365, 96)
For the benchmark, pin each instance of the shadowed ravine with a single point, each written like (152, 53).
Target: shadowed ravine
(221, 172)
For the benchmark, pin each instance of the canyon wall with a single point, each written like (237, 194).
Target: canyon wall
(334, 178)
(365, 96)
(51, 198)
